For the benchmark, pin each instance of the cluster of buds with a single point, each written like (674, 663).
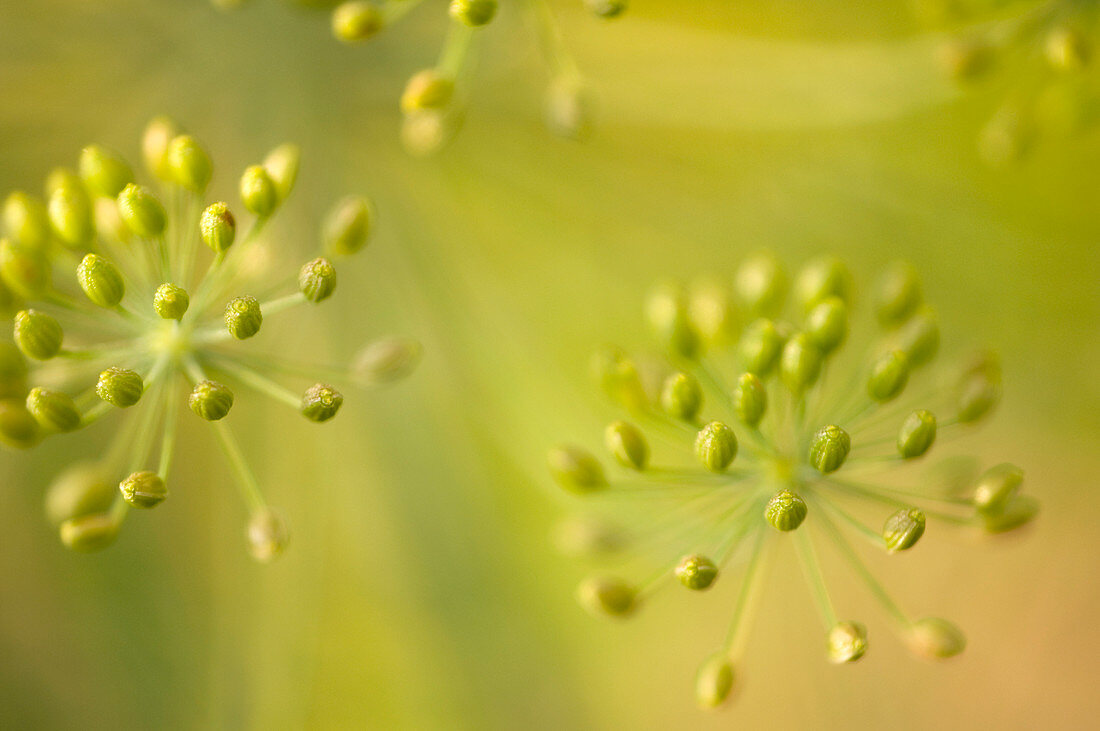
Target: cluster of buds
(434, 98)
(756, 426)
(128, 302)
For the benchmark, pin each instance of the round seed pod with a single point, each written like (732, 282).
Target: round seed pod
(89, 533)
(897, 294)
(80, 490)
(714, 682)
(627, 444)
(820, 279)
(696, 572)
(18, 428)
(903, 529)
(829, 449)
(53, 410)
(26, 220)
(37, 334)
(667, 314)
(120, 387)
(347, 226)
(607, 596)
(474, 13)
(282, 165)
(575, 469)
(101, 280)
(995, 488)
(846, 642)
(800, 363)
(144, 489)
(26, 272)
(171, 302)
(750, 399)
(760, 346)
(935, 639)
(682, 396)
(258, 192)
(356, 21)
(70, 211)
(427, 90)
(917, 434)
(267, 535)
(761, 285)
(188, 164)
(218, 227)
(159, 133)
(104, 172)
(211, 400)
(785, 511)
(317, 280)
(889, 374)
(142, 213)
(243, 317)
(716, 446)
(321, 402)
(827, 324)
(919, 338)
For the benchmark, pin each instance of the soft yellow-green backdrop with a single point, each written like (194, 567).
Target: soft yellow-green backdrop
(421, 590)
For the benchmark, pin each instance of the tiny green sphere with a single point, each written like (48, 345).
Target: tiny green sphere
(846, 642)
(606, 8)
(917, 434)
(104, 172)
(320, 402)
(347, 226)
(357, 21)
(26, 220)
(282, 165)
(935, 639)
(823, 278)
(88, 533)
(428, 89)
(158, 135)
(627, 444)
(317, 280)
(80, 490)
(760, 346)
(750, 399)
(243, 317)
(258, 192)
(18, 427)
(714, 682)
(996, 486)
(576, 469)
(218, 227)
(211, 400)
(716, 446)
(70, 212)
(171, 301)
(829, 449)
(267, 535)
(101, 280)
(903, 529)
(144, 489)
(188, 164)
(667, 313)
(761, 285)
(785, 511)
(889, 374)
(474, 13)
(827, 324)
(696, 572)
(53, 410)
(919, 338)
(800, 363)
(25, 271)
(605, 596)
(120, 387)
(37, 334)
(897, 294)
(682, 396)
(142, 213)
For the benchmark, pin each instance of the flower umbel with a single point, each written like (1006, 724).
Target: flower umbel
(767, 429)
(121, 308)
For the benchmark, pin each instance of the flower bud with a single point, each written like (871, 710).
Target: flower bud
(37, 334)
(144, 489)
(18, 427)
(889, 374)
(919, 338)
(696, 572)
(218, 227)
(711, 313)
(26, 220)
(682, 396)
(587, 536)
(143, 213)
(104, 172)
(829, 449)
(89, 533)
(258, 192)
(282, 165)
(897, 294)
(785, 511)
(243, 317)
(64, 178)
(979, 389)
(267, 535)
(827, 324)
(474, 13)
(964, 58)
(917, 434)
(628, 445)
(347, 225)
(101, 280)
(750, 399)
(80, 490)
(320, 402)
(996, 487)
(619, 378)
(800, 363)
(25, 271)
(188, 164)
(356, 21)
(903, 529)
(760, 346)
(820, 279)
(935, 639)
(211, 400)
(606, 8)
(761, 285)
(159, 133)
(120, 386)
(427, 89)
(1019, 510)
(171, 302)
(53, 410)
(714, 682)
(568, 108)
(607, 596)
(846, 642)
(388, 359)
(13, 371)
(1066, 49)
(70, 210)
(666, 310)
(317, 280)
(575, 469)
(716, 446)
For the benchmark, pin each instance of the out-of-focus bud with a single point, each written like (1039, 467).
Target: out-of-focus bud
(979, 389)
(584, 536)
(258, 192)
(356, 21)
(188, 164)
(347, 226)
(101, 280)
(211, 400)
(903, 529)
(81, 490)
(53, 410)
(996, 487)
(385, 360)
(569, 108)
(267, 535)
(104, 172)
(714, 682)
(282, 165)
(761, 285)
(827, 324)
(889, 374)
(750, 399)
(474, 13)
(760, 346)
(25, 271)
(37, 334)
(607, 596)
(964, 59)
(682, 396)
(243, 317)
(141, 211)
(829, 449)
(120, 387)
(619, 379)
(143, 489)
(785, 511)
(320, 402)
(170, 301)
(696, 572)
(317, 280)
(800, 363)
(89, 533)
(820, 279)
(218, 227)
(26, 220)
(606, 8)
(18, 427)
(935, 639)
(897, 294)
(1018, 511)
(666, 312)
(846, 642)
(917, 434)
(159, 133)
(1066, 49)
(716, 446)
(427, 89)
(919, 338)
(627, 444)
(711, 312)
(575, 469)
(70, 210)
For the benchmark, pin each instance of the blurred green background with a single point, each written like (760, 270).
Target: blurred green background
(421, 589)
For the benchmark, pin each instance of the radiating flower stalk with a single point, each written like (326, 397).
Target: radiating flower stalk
(755, 428)
(131, 304)
(434, 100)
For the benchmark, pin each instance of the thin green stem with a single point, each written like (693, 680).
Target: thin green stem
(812, 569)
(873, 585)
(246, 480)
(746, 599)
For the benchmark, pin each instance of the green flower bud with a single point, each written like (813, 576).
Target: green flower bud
(606, 8)
(628, 445)
(711, 313)
(78, 491)
(18, 428)
(474, 13)
(427, 89)
(211, 400)
(320, 402)
(171, 302)
(356, 21)
(101, 280)
(785, 511)
(666, 310)
(317, 280)
(188, 164)
(1067, 50)
(800, 363)
(108, 222)
(829, 449)
(267, 535)
(243, 317)
(13, 371)
(760, 347)
(26, 220)
(120, 387)
(585, 536)
(619, 378)
(347, 226)
(53, 410)
(607, 596)
(63, 178)
(696, 572)
(89, 533)
(917, 434)
(903, 529)
(716, 446)
(750, 399)
(388, 359)
(996, 487)
(143, 213)
(104, 172)
(823, 278)
(846, 642)
(919, 339)
(1019, 510)
(761, 285)
(714, 682)
(827, 324)
(889, 374)
(935, 639)
(897, 294)
(575, 469)
(37, 334)
(70, 211)
(282, 165)
(25, 271)
(979, 389)
(258, 192)
(682, 396)
(154, 146)
(218, 227)
(568, 108)
(144, 489)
